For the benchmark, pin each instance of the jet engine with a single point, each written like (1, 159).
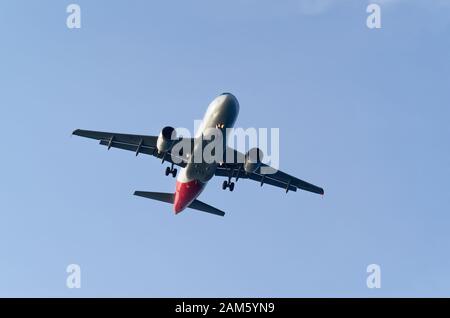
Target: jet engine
(166, 139)
(253, 160)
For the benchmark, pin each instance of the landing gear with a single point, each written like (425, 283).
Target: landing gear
(227, 184)
(172, 171)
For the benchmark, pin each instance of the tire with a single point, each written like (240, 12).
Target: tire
(174, 173)
(167, 171)
(231, 186)
(224, 185)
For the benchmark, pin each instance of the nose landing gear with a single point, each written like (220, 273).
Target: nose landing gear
(172, 171)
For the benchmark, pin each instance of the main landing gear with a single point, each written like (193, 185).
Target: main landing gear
(171, 170)
(227, 184)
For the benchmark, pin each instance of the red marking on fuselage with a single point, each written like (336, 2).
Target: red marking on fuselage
(186, 193)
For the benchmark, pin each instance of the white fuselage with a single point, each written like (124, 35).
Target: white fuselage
(222, 112)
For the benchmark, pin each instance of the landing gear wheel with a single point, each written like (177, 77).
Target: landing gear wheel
(225, 185)
(231, 186)
(172, 171)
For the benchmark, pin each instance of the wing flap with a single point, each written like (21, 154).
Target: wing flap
(266, 179)
(222, 172)
(131, 147)
(280, 175)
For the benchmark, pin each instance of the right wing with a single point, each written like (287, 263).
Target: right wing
(136, 143)
(272, 177)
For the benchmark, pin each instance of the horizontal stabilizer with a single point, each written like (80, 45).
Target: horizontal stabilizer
(169, 198)
(199, 205)
(159, 196)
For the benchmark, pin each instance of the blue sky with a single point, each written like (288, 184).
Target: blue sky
(363, 113)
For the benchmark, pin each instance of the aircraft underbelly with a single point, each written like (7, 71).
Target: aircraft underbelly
(192, 179)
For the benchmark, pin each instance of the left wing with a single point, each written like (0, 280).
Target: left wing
(278, 179)
(136, 143)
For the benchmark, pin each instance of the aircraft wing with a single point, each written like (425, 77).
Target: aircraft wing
(136, 143)
(278, 179)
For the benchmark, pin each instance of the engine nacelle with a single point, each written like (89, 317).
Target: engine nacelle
(166, 139)
(253, 160)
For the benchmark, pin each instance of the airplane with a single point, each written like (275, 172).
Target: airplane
(221, 114)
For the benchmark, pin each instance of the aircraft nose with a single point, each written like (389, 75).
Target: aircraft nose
(229, 97)
(231, 101)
